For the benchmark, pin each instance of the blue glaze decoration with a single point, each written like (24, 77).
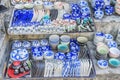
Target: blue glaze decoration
(109, 10)
(102, 63)
(83, 3)
(99, 34)
(19, 55)
(66, 16)
(108, 36)
(60, 56)
(112, 44)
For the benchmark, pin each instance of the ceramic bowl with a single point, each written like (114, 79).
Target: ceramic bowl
(114, 52)
(85, 10)
(114, 62)
(19, 55)
(112, 44)
(102, 49)
(63, 48)
(67, 16)
(108, 37)
(26, 44)
(19, 6)
(102, 64)
(82, 39)
(28, 5)
(65, 39)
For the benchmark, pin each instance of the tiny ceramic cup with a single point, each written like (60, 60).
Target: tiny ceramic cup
(108, 37)
(54, 41)
(65, 39)
(114, 52)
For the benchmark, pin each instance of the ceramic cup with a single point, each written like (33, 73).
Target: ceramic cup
(114, 52)
(54, 41)
(63, 48)
(114, 62)
(65, 39)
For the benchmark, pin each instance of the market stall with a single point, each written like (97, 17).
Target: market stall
(45, 40)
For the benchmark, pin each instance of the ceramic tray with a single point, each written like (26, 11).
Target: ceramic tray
(35, 74)
(13, 31)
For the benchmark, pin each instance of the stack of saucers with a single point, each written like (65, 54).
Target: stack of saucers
(101, 51)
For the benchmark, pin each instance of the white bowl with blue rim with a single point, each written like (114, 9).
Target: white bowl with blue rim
(99, 37)
(44, 42)
(26, 44)
(19, 55)
(112, 44)
(16, 44)
(108, 37)
(36, 43)
(102, 64)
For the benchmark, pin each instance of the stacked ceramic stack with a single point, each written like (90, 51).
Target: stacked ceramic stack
(102, 6)
(117, 7)
(107, 49)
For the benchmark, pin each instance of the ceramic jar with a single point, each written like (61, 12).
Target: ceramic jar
(109, 10)
(99, 14)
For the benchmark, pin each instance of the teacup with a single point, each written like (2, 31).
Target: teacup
(108, 37)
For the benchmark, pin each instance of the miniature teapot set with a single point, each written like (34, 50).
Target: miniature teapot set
(106, 46)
